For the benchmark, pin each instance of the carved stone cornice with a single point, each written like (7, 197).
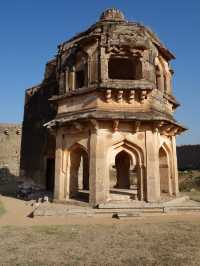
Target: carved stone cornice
(121, 95)
(167, 128)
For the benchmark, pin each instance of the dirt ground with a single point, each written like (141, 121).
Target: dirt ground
(159, 239)
(152, 239)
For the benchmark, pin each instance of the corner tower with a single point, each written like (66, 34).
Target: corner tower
(114, 128)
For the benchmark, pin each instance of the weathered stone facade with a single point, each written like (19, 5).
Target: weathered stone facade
(10, 142)
(112, 118)
(38, 146)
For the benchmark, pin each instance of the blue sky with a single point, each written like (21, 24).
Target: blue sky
(30, 31)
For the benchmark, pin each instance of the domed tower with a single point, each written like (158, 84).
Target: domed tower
(114, 128)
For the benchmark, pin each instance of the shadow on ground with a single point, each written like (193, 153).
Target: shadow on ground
(8, 183)
(16, 187)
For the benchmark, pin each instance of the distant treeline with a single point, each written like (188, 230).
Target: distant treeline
(188, 157)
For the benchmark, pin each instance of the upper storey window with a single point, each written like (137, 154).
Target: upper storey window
(80, 79)
(124, 68)
(81, 70)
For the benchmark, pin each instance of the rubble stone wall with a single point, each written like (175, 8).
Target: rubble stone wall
(10, 143)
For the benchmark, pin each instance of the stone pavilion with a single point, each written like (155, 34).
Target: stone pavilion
(108, 123)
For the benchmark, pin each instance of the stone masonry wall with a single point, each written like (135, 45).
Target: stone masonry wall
(10, 143)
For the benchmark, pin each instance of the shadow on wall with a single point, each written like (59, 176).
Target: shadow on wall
(8, 182)
(17, 187)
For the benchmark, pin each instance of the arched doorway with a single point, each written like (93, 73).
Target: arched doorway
(122, 163)
(79, 174)
(124, 177)
(164, 171)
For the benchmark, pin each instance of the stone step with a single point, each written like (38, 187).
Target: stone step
(133, 211)
(181, 208)
(126, 212)
(120, 197)
(122, 205)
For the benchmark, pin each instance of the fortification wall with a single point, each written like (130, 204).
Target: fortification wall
(10, 143)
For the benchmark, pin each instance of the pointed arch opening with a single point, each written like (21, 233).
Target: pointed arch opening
(122, 165)
(79, 174)
(164, 169)
(126, 173)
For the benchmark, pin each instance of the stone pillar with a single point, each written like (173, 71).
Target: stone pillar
(140, 173)
(160, 81)
(98, 169)
(104, 65)
(171, 73)
(67, 80)
(71, 79)
(152, 167)
(59, 175)
(80, 174)
(168, 83)
(62, 83)
(66, 173)
(73, 76)
(148, 72)
(93, 69)
(175, 167)
(159, 75)
(89, 71)
(141, 69)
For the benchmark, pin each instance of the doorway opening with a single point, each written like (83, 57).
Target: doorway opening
(127, 68)
(79, 174)
(50, 174)
(123, 178)
(164, 172)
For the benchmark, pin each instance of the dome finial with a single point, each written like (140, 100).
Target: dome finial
(112, 14)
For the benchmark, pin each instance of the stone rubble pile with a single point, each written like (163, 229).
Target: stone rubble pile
(5, 176)
(28, 190)
(3, 180)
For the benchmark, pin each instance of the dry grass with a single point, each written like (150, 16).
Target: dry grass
(160, 243)
(145, 242)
